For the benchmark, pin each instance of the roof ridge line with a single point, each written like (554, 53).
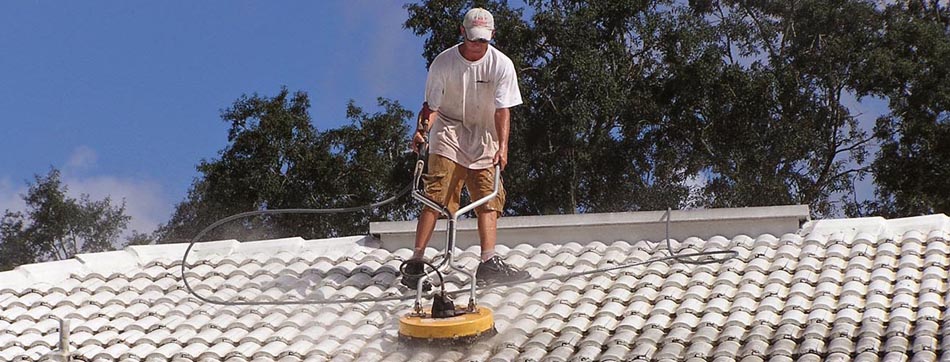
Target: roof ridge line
(847, 229)
(50, 272)
(631, 226)
(106, 263)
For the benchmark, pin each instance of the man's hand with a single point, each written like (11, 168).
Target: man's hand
(417, 141)
(501, 158)
(425, 113)
(422, 128)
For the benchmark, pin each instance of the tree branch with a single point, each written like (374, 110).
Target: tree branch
(722, 17)
(855, 145)
(849, 171)
(62, 245)
(758, 24)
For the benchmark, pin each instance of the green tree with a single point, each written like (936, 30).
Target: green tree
(584, 141)
(777, 131)
(912, 69)
(276, 159)
(140, 238)
(646, 104)
(269, 138)
(15, 249)
(56, 226)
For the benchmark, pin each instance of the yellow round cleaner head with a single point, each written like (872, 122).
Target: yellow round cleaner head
(462, 328)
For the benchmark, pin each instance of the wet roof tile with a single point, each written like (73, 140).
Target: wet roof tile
(837, 293)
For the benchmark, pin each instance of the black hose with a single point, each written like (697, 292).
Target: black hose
(402, 270)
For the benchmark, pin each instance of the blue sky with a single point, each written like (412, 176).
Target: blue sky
(124, 96)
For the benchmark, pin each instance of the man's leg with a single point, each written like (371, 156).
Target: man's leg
(424, 229)
(481, 183)
(492, 269)
(442, 184)
(488, 233)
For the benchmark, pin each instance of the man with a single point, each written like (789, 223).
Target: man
(469, 89)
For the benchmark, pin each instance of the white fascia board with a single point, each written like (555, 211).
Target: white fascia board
(609, 227)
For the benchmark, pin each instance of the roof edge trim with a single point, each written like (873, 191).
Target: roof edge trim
(631, 226)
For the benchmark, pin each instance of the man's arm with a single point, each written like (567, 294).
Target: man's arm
(423, 125)
(435, 88)
(502, 125)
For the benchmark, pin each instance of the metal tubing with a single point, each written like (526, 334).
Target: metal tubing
(485, 199)
(668, 243)
(452, 231)
(64, 336)
(450, 238)
(448, 259)
(418, 305)
(418, 195)
(424, 199)
(447, 253)
(471, 300)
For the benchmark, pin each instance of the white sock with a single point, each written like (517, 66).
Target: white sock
(487, 254)
(418, 253)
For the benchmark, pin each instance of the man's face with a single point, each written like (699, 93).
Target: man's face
(475, 43)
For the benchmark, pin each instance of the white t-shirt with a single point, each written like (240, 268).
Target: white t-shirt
(466, 94)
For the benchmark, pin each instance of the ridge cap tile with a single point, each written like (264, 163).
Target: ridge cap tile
(42, 276)
(109, 262)
(924, 224)
(821, 229)
(270, 247)
(147, 254)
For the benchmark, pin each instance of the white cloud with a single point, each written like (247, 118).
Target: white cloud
(697, 180)
(10, 195)
(145, 200)
(82, 158)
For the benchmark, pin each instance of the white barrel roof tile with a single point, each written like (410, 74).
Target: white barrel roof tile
(841, 289)
(12, 353)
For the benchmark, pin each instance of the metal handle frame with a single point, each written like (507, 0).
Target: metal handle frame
(448, 258)
(709, 256)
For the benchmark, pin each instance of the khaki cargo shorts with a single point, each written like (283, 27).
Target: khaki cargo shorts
(445, 178)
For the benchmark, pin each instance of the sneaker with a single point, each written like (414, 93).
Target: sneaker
(495, 270)
(412, 272)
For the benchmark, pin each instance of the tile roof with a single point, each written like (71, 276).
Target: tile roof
(862, 289)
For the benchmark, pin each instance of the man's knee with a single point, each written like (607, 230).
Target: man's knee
(487, 214)
(428, 210)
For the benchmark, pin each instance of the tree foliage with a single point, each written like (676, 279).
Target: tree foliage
(778, 130)
(56, 226)
(631, 105)
(276, 159)
(913, 70)
(647, 104)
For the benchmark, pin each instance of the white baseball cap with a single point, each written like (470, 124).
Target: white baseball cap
(478, 24)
